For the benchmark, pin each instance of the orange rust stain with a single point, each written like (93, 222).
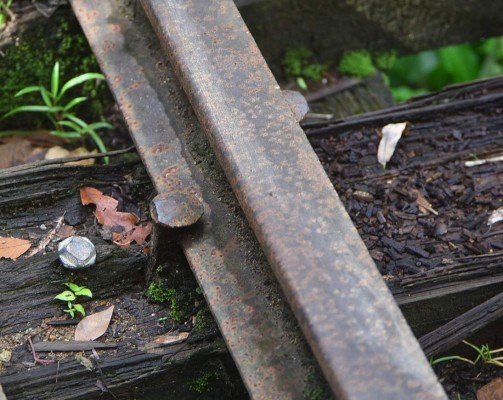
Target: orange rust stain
(159, 148)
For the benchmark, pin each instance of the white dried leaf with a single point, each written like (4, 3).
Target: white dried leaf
(391, 134)
(496, 216)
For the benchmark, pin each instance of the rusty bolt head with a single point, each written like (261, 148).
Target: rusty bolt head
(297, 103)
(176, 209)
(77, 252)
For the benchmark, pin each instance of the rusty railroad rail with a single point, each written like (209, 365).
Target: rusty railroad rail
(347, 315)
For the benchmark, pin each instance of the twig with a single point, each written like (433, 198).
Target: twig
(45, 241)
(35, 357)
(474, 163)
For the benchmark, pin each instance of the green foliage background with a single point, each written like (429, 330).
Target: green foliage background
(31, 60)
(432, 70)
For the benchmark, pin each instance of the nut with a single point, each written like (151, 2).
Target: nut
(77, 252)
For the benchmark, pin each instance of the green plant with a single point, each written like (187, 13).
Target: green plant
(65, 123)
(5, 12)
(298, 66)
(484, 355)
(70, 296)
(432, 70)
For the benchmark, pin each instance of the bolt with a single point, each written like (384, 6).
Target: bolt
(176, 209)
(77, 252)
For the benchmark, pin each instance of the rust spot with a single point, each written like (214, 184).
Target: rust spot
(159, 148)
(107, 46)
(115, 28)
(171, 170)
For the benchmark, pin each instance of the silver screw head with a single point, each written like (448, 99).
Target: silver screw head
(77, 252)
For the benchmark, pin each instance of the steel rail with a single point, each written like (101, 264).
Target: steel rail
(254, 319)
(353, 325)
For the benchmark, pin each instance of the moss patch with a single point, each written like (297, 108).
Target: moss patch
(203, 383)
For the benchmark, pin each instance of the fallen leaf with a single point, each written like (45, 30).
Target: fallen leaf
(391, 134)
(496, 216)
(106, 209)
(138, 234)
(169, 339)
(94, 325)
(60, 152)
(492, 391)
(14, 153)
(12, 247)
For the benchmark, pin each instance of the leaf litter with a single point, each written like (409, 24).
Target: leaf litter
(95, 325)
(13, 247)
(107, 215)
(391, 134)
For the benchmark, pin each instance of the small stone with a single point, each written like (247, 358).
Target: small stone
(77, 252)
(5, 355)
(43, 227)
(440, 228)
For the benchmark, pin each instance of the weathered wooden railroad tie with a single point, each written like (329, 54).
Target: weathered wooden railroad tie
(346, 313)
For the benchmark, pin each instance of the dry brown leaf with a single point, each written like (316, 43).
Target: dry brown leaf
(168, 339)
(12, 247)
(106, 209)
(60, 152)
(492, 391)
(14, 153)
(138, 234)
(95, 325)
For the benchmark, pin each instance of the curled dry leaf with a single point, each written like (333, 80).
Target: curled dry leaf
(138, 234)
(106, 209)
(496, 216)
(94, 325)
(60, 152)
(391, 134)
(12, 247)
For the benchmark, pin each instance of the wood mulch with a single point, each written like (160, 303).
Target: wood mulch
(425, 217)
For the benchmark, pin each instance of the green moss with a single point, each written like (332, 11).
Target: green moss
(357, 63)
(203, 383)
(160, 294)
(315, 393)
(157, 292)
(203, 319)
(298, 65)
(30, 62)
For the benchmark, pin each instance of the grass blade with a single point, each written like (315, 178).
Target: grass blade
(31, 108)
(29, 89)
(55, 80)
(78, 80)
(450, 358)
(74, 102)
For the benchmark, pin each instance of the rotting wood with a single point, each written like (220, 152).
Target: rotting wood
(462, 327)
(35, 194)
(73, 345)
(172, 368)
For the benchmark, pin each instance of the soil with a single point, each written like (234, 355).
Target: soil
(427, 210)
